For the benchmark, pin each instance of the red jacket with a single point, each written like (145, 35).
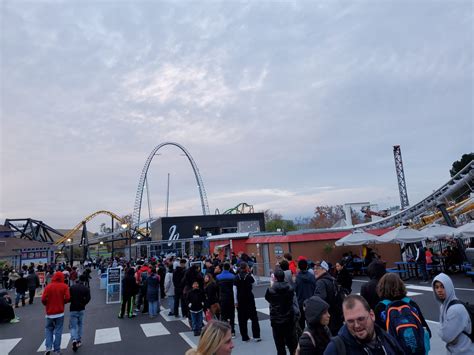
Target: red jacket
(56, 295)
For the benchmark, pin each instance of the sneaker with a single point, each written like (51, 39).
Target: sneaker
(79, 344)
(15, 320)
(48, 352)
(196, 333)
(74, 345)
(257, 340)
(170, 314)
(120, 317)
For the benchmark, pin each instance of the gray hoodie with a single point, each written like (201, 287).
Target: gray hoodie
(453, 321)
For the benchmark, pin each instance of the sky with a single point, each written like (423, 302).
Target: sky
(285, 105)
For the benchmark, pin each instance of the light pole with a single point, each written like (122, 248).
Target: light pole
(71, 252)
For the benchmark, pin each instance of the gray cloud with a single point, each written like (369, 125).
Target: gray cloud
(272, 99)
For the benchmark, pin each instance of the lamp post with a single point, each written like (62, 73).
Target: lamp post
(71, 252)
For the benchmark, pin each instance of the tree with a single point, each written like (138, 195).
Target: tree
(275, 221)
(458, 165)
(327, 216)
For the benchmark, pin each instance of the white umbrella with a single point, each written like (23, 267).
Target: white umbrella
(466, 230)
(435, 231)
(402, 234)
(358, 237)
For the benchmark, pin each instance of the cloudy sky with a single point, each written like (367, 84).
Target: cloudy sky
(284, 105)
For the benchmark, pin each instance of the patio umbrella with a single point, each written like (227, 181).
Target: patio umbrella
(402, 234)
(435, 231)
(466, 230)
(358, 237)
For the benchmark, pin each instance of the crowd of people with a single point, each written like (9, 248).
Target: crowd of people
(312, 308)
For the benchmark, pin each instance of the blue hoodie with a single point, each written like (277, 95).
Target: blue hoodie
(453, 321)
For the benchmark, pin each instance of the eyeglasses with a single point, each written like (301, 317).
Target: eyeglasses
(359, 320)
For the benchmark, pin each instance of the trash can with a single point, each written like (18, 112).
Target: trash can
(103, 281)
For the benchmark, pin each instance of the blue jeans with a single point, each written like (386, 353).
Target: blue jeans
(54, 326)
(153, 308)
(171, 303)
(75, 324)
(196, 321)
(18, 296)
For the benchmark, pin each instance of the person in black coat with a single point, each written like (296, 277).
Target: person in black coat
(21, 285)
(211, 292)
(245, 305)
(178, 283)
(7, 313)
(316, 335)
(129, 289)
(195, 300)
(343, 277)
(369, 290)
(305, 286)
(280, 296)
(80, 297)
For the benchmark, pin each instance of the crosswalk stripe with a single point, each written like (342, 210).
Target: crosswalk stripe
(188, 340)
(64, 342)
(107, 335)
(7, 345)
(154, 329)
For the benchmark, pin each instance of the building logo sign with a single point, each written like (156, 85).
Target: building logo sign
(172, 234)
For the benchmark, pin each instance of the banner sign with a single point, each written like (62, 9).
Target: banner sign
(114, 285)
(41, 276)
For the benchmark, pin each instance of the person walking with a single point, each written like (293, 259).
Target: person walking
(401, 317)
(211, 293)
(54, 297)
(80, 297)
(178, 283)
(195, 301)
(13, 275)
(421, 261)
(169, 289)
(455, 323)
(343, 277)
(216, 339)
(21, 285)
(375, 271)
(33, 283)
(153, 293)
(244, 297)
(282, 316)
(129, 290)
(326, 288)
(316, 335)
(360, 335)
(305, 286)
(225, 281)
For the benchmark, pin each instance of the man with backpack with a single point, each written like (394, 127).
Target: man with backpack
(360, 335)
(455, 317)
(328, 289)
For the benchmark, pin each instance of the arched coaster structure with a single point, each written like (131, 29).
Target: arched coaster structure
(143, 176)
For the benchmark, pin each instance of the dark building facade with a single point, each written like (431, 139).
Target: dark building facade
(185, 227)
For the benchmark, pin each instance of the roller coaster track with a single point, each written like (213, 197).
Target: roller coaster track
(70, 234)
(240, 208)
(143, 177)
(462, 180)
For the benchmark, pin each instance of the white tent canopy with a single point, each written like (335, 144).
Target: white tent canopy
(358, 237)
(466, 230)
(435, 231)
(402, 234)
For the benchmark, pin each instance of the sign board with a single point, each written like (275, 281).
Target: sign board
(113, 292)
(41, 276)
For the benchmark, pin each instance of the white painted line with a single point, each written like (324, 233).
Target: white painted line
(7, 345)
(168, 318)
(185, 322)
(421, 288)
(188, 340)
(264, 310)
(431, 321)
(154, 329)
(107, 335)
(464, 289)
(64, 342)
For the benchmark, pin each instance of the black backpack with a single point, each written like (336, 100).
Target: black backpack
(470, 311)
